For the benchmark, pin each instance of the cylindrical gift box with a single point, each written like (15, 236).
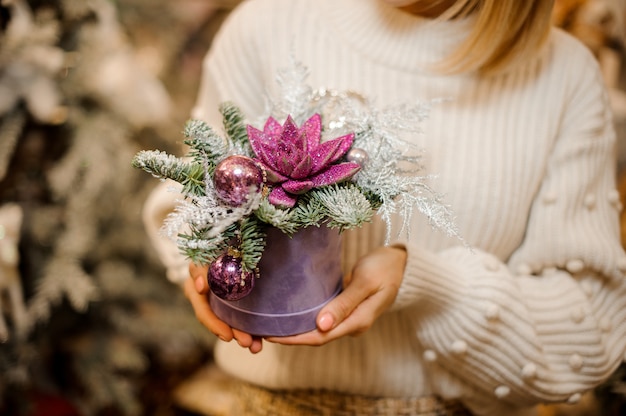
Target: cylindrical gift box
(298, 276)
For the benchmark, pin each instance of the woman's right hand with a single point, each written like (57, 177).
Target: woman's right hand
(196, 290)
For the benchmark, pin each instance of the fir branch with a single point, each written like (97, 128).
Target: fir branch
(252, 243)
(248, 235)
(309, 211)
(193, 183)
(161, 165)
(201, 249)
(207, 147)
(373, 198)
(282, 219)
(234, 125)
(342, 206)
(165, 166)
(345, 206)
(63, 278)
(207, 214)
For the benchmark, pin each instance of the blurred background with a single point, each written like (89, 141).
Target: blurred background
(89, 325)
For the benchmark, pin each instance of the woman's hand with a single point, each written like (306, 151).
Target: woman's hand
(196, 289)
(368, 292)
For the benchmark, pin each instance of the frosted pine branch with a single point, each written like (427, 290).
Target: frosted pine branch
(347, 207)
(205, 143)
(165, 166)
(295, 94)
(208, 214)
(63, 277)
(310, 212)
(280, 218)
(161, 165)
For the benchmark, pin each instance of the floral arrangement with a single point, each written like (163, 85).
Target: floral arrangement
(334, 161)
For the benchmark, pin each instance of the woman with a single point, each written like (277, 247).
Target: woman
(522, 148)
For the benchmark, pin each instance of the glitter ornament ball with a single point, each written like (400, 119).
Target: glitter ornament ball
(357, 155)
(236, 178)
(227, 279)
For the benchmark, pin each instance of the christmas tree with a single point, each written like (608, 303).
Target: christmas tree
(88, 323)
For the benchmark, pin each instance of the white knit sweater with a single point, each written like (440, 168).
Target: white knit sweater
(536, 310)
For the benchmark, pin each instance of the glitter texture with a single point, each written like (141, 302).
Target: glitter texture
(295, 159)
(228, 280)
(236, 178)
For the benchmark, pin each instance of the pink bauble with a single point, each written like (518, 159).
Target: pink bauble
(236, 178)
(227, 279)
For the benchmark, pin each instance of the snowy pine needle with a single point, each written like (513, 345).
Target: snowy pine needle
(165, 166)
(206, 145)
(346, 207)
(282, 219)
(160, 164)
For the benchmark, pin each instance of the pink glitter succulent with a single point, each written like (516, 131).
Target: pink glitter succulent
(295, 159)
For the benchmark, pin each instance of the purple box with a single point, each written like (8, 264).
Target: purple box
(298, 276)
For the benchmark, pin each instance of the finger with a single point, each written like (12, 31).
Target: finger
(356, 323)
(347, 278)
(257, 345)
(204, 313)
(253, 343)
(363, 283)
(199, 276)
(343, 305)
(359, 321)
(244, 339)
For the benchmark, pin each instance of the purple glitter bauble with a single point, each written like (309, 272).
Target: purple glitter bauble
(236, 177)
(227, 279)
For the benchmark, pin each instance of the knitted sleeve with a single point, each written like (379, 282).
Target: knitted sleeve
(550, 322)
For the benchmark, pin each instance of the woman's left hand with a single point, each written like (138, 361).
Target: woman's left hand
(368, 292)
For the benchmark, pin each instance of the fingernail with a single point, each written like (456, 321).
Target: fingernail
(325, 322)
(199, 284)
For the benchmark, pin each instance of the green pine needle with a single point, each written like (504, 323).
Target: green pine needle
(344, 206)
(234, 124)
(252, 243)
(206, 146)
(201, 249)
(165, 166)
(280, 218)
(308, 212)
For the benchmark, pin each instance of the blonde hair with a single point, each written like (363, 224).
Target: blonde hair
(505, 32)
